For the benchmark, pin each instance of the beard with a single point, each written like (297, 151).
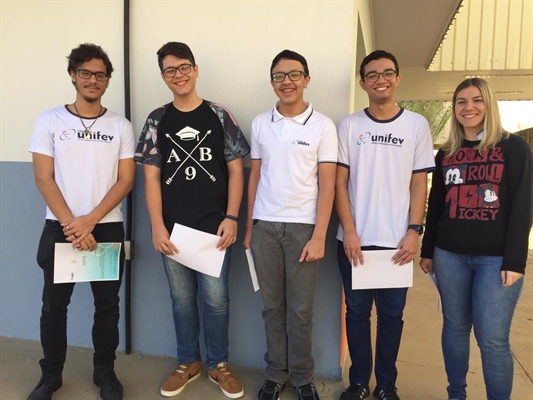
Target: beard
(88, 99)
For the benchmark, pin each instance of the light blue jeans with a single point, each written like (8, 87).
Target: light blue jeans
(185, 286)
(288, 289)
(472, 295)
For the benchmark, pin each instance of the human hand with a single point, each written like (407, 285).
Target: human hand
(510, 277)
(426, 264)
(228, 232)
(78, 231)
(247, 242)
(313, 250)
(162, 243)
(406, 248)
(352, 248)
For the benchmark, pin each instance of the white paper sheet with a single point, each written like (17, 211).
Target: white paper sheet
(432, 278)
(197, 250)
(379, 272)
(72, 265)
(251, 266)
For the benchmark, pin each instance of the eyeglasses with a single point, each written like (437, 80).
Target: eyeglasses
(86, 74)
(293, 76)
(184, 69)
(388, 75)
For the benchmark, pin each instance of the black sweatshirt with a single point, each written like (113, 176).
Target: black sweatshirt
(481, 204)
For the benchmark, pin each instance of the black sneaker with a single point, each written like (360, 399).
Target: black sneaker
(110, 387)
(270, 390)
(307, 392)
(356, 392)
(46, 386)
(386, 393)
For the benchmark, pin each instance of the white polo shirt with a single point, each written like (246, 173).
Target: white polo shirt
(290, 150)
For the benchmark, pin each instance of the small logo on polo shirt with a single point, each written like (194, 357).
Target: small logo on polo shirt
(300, 142)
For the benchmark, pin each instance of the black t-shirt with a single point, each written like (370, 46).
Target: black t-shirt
(194, 175)
(192, 150)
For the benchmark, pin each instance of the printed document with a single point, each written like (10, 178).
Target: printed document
(72, 265)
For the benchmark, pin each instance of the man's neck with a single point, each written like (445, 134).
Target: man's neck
(187, 103)
(291, 110)
(383, 111)
(85, 108)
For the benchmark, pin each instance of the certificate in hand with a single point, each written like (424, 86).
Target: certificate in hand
(197, 250)
(379, 272)
(72, 265)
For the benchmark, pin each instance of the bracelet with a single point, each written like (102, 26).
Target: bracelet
(232, 217)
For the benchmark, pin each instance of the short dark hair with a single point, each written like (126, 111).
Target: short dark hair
(86, 52)
(290, 55)
(176, 49)
(377, 55)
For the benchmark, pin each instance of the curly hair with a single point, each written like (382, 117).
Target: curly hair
(86, 52)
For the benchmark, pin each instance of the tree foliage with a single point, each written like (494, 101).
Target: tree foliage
(437, 113)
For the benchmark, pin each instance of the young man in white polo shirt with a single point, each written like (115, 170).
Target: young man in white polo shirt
(290, 198)
(385, 153)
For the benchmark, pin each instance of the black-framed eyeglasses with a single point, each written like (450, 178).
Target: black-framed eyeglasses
(293, 76)
(388, 75)
(86, 74)
(184, 69)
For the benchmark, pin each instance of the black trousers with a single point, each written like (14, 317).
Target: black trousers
(56, 298)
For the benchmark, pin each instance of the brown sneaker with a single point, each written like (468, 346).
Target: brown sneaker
(179, 378)
(229, 383)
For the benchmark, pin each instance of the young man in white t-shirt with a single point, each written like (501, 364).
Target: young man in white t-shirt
(290, 198)
(385, 153)
(83, 164)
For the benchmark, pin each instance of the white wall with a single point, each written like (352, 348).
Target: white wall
(36, 37)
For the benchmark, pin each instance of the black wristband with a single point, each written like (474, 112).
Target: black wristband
(232, 217)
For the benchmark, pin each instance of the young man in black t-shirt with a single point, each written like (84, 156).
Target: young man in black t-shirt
(192, 152)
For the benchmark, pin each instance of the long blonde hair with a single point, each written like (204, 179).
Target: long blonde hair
(493, 130)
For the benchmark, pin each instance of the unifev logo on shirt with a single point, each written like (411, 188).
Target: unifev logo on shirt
(300, 142)
(68, 134)
(388, 139)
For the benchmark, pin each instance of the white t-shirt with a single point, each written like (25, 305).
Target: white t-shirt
(290, 150)
(85, 167)
(381, 156)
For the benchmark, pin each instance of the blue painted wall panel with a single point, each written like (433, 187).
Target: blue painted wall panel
(22, 213)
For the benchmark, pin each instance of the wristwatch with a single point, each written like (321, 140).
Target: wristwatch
(418, 228)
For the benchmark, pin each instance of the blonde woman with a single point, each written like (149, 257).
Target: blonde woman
(476, 241)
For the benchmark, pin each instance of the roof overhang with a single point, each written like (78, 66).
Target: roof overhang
(413, 30)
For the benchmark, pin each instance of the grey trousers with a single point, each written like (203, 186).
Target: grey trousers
(288, 288)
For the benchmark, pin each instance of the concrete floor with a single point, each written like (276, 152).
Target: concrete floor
(420, 365)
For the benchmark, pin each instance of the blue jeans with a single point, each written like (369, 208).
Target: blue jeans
(56, 298)
(389, 305)
(288, 289)
(185, 285)
(472, 295)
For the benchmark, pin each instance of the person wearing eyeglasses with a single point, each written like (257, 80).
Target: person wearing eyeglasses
(83, 164)
(479, 217)
(192, 150)
(290, 199)
(385, 153)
